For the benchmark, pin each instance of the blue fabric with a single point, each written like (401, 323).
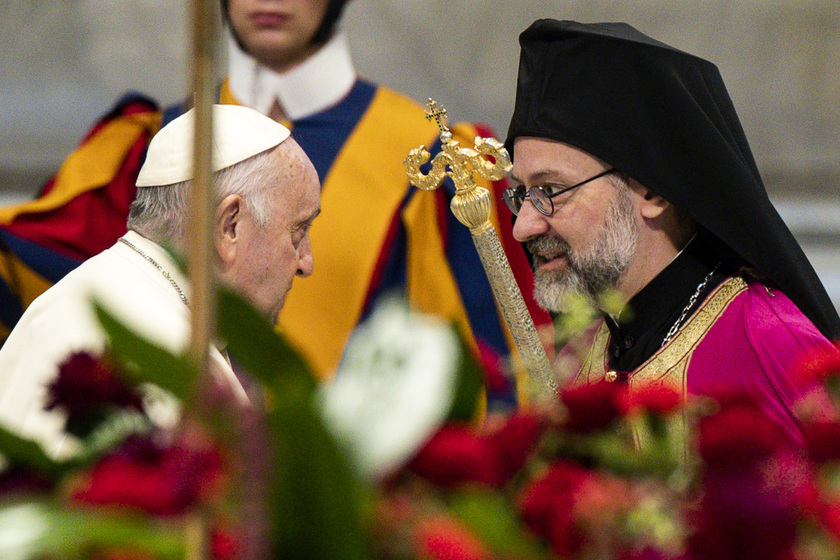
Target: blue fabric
(46, 262)
(52, 266)
(323, 134)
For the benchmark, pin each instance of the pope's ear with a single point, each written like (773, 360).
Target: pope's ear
(228, 226)
(651, 205)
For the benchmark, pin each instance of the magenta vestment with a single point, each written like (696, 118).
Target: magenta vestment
(744, 337)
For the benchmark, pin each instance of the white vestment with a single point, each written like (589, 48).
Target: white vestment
(62, 321)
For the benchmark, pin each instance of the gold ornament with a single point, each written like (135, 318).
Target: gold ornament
(472, 206)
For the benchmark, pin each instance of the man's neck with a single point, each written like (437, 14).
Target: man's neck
(639, 330)
(305, 88)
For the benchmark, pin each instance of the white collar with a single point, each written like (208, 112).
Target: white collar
(316, 84)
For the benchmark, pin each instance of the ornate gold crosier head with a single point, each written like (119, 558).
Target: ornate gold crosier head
(471, 204)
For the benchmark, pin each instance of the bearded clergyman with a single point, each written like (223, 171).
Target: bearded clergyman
(632, 174)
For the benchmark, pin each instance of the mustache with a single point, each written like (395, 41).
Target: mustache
(547, 244)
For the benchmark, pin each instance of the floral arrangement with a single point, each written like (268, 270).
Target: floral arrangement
(391, 461)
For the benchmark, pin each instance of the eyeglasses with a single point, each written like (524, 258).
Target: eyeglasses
(541, 196)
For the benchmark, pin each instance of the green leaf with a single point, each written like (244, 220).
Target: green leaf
(254, 343)
(148, 362)
(27, 454)
(315, 496)
(41, 529)
(468, 387)
(491, 516)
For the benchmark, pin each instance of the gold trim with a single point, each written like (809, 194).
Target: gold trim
(669, 364)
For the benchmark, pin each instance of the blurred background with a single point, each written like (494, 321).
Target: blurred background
(65, 62)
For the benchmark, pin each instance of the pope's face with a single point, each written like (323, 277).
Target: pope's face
(278, 33)
(587, 244)
(272, 255)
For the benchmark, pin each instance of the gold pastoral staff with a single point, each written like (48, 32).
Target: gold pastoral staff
(472, 206)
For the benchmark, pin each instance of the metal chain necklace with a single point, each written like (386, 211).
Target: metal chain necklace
(691, 301)
(154, 263)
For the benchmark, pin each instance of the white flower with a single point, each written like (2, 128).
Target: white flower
(394, 387)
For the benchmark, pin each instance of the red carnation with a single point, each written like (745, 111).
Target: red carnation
(829, 516)
(86, 388)
(224, 544)
(659, 399)
(457, 455)
(816, 367)
(516, 441)
(739, 434)
(752, 511)
(593, 406)
(159, 481)
(443, 538)
(822, 440)
(547, 506)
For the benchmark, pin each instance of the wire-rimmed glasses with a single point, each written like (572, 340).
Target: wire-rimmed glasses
(541, 196)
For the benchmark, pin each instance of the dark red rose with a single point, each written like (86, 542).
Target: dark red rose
(593, 406)
(659, 399)
(816, 367)
(455, 455)
(547, 506)
(516, 441)
(165, 482)
(822, 440)
(86, 388)
(443, 538)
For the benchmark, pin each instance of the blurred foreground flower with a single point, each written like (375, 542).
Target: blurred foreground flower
(87, 389)
(395, 386)
(392, 461)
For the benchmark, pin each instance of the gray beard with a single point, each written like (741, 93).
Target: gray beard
(592, 274)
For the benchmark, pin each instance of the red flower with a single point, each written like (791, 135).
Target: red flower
(516, 441)
(750, 512)
(455, 455)
(738, 435)
(815, 368)
(458, 454)
(755, 485)
(829, 516)
(159, 481)
(593, 406)
(442, 538)
(86, 387)
(822, 440)
(547, 507)
(659, 399)
(224, 544)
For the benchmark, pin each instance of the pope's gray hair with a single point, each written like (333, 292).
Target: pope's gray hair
(160, 213)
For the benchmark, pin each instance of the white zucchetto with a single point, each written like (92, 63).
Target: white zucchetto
(238, 133)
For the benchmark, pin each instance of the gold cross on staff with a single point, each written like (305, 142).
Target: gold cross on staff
(436, 113)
